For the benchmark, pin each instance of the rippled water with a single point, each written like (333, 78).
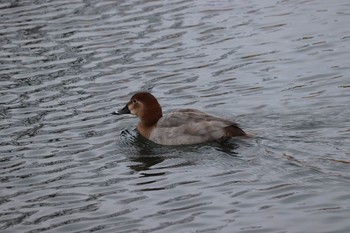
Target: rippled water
(279, 68)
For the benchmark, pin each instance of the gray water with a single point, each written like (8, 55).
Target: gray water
(279, 68)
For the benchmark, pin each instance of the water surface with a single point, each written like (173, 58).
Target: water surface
(278, 68)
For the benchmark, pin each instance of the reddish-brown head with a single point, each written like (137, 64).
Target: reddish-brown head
(146, 107)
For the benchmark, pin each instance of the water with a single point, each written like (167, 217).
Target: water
(279, 68)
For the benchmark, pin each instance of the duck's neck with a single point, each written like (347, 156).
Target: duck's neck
(149, 120)
(145, 130)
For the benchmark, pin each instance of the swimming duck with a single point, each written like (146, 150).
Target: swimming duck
(179, 127)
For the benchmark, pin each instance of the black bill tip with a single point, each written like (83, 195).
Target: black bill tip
(125, 110)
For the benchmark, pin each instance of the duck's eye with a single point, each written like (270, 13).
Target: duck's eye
(134, 101)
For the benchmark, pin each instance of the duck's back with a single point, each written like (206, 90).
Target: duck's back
(190, 126)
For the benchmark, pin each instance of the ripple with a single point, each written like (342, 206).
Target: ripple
(68, 165)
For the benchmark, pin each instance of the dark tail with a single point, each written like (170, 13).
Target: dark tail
(234, 131)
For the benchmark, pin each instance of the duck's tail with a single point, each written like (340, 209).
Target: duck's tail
(235, 131)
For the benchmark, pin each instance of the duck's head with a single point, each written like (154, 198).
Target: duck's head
(145, 106)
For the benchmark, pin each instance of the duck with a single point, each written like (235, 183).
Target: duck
(179, 126)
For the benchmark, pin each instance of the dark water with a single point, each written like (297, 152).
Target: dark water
(280, 68)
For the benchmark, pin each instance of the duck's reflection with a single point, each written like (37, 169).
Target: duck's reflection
(145, 157)
(145, 162)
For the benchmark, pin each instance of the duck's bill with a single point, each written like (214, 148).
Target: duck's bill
(124, 110)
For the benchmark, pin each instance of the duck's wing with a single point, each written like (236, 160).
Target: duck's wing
(180, 117)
